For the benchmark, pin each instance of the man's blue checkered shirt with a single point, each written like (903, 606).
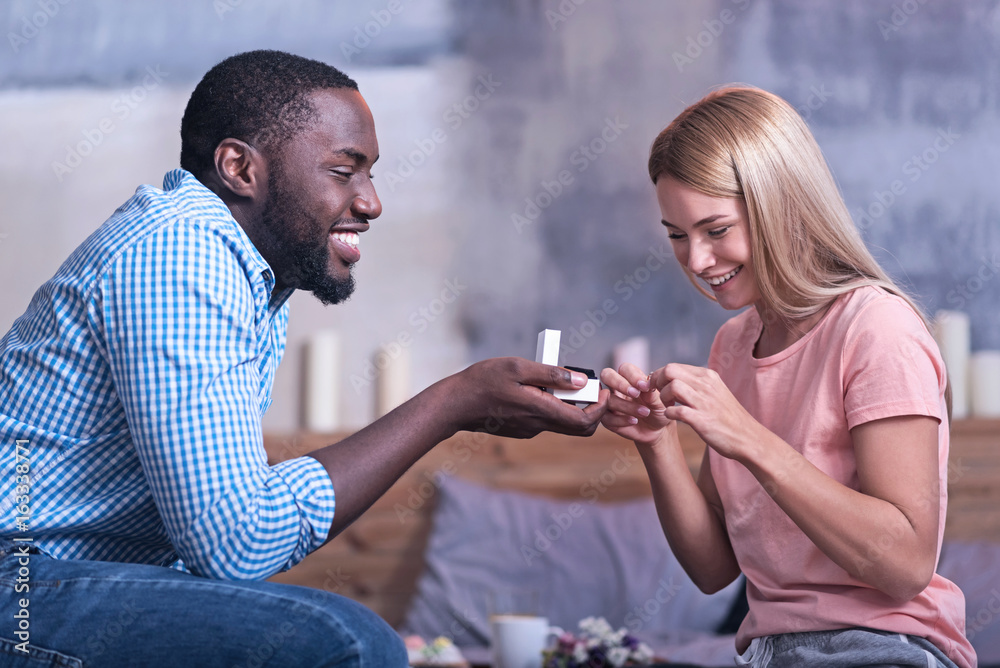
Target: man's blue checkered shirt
(138, 377)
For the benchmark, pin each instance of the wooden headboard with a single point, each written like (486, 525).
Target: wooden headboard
(378, 559)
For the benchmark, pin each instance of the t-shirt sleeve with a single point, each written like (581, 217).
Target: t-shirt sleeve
(892, 365)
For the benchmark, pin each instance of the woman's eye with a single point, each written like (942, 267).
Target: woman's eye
(675, 236)
(718, 232)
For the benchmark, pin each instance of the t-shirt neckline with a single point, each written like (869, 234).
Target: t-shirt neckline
(795, 347)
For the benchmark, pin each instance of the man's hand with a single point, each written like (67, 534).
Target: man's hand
(498, 396)
(504, 396)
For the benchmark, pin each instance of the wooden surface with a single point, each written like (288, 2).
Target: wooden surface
(378, 559)
(974, 481)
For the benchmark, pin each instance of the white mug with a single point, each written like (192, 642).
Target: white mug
(518, 640)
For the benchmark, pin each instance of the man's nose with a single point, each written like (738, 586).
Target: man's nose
(366, 202)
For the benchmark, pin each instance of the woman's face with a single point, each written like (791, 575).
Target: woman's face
(711, 239)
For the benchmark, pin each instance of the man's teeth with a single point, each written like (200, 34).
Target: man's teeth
(722, 279)
(349, 238)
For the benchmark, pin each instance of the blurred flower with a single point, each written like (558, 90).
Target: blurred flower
(596, 646)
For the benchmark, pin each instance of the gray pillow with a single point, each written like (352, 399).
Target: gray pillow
(975, 568)
(584, 558)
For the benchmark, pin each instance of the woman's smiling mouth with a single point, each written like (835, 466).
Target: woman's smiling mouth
(718, 281)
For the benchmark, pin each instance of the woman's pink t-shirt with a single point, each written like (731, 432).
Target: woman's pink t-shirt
(870, 357)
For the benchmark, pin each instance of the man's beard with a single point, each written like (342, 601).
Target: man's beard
(307, 261)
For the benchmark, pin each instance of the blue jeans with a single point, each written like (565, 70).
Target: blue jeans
(93, 613)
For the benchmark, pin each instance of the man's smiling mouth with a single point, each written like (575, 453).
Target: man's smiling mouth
(349, 238)
(345, 244)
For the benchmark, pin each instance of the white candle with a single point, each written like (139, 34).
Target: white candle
(951, 329)
(392, 385)
(634, 351)
(322, 382)
(984, 368)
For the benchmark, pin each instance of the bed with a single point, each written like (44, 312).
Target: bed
(575, 515)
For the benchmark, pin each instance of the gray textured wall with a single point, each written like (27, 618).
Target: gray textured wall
(901, 94)
(52, 43)
(905, 98)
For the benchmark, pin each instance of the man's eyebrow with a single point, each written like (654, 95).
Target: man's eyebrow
(703, 221)
(355, 155)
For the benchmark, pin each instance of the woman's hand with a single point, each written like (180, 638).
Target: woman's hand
(635, 410)
(698, 397)
(687, 508)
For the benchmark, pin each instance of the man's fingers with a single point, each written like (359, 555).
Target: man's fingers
(585, 419)
(527, 372)
(564, 379)
(598, 409)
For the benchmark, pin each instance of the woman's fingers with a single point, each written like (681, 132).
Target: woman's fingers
(680, 413)
(614, 421)
(685, 384)
(659, 378)
(636, 377)
(624, 380)
(676, 391)
(627, 406)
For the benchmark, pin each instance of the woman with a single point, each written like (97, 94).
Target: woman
(823, 406)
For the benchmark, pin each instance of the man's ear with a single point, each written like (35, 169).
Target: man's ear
(240, 168)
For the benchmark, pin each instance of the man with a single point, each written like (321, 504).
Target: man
(132, 390)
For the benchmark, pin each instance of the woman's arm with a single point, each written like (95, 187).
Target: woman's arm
(690, 512)
(884, 533)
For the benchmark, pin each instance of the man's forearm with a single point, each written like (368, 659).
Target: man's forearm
(364, 465)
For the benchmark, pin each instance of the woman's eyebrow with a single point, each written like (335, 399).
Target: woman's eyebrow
(703, 221)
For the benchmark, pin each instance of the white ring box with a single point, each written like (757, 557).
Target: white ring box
(547, 352)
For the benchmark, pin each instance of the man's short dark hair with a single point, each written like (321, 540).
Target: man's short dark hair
(259, 97)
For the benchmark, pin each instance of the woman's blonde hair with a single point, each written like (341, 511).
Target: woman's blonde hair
(746, 143)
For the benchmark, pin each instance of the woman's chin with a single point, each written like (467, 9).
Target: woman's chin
(733, 302)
